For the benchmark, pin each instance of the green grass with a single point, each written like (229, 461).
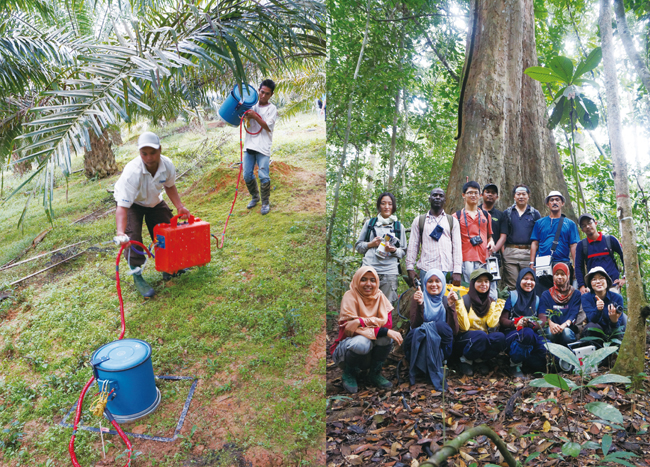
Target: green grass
(243, 323)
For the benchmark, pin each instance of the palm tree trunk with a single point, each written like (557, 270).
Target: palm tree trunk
(630, 361)
(337, 188)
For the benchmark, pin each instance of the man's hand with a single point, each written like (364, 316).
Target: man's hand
(351, 327)
(419, 296)
(620, 282)
(391, 248)
(584, 290)
(490, 245)
(396, 336)
(455, 279)
(599, 303)
(121, 239)
(184, 212)
(452, 298)
(411, 274)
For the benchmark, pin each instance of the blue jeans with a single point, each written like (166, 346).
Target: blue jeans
(566, 337)
(251, 158)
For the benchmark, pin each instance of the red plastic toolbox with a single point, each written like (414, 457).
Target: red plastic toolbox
(180, 246)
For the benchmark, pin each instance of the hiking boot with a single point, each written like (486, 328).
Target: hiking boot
(515, 370)
(376, 378)
(265, 188)
(349, 379)
(466, 368)
(483, 369)
(252, 189)
(145, 289)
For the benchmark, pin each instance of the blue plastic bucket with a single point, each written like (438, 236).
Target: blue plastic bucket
(234, 106)
(125, 367)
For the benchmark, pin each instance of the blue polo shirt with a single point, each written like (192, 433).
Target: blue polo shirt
(601, 317)
(597, 255)
(519, 228)
(544, 233)
(566, 312)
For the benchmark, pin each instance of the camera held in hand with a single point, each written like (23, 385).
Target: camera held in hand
(620, 309)
(477, 240)
(416, 283)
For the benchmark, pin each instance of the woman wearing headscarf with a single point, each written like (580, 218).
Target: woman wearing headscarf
(602, 307)
(365, 334)
(478, 318)
(523, 343)
(433, 326)
(386, 261)
(561, 303)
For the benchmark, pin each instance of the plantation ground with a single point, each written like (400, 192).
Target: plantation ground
(249, 325)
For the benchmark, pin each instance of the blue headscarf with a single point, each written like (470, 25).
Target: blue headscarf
(434, 310)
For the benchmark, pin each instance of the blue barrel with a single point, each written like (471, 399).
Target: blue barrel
(234, 106)
(125, 367)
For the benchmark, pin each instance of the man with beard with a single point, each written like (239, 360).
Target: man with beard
(438, 233)
(554, 236)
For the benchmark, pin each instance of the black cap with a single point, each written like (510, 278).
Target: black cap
(491, 185)
(586, 216)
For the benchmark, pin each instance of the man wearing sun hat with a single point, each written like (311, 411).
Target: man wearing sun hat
(138, 194)
(554, 236)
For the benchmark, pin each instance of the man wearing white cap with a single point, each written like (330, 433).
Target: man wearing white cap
(138, 194)
(553, 236)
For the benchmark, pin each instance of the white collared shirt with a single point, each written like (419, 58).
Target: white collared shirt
(137, 185)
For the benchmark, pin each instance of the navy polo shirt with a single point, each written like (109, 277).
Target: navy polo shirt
(544, 233)
(566, 312)
(597, 255)
(519, 229)
(496, 222)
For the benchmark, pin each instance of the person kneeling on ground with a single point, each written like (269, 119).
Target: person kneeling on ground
(365, 334)
(523, 344)
(478, 316)
(562, 303)
(602, 307)
(138, 193)
(433, 326)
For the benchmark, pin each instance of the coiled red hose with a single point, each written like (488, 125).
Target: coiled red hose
(77, 417)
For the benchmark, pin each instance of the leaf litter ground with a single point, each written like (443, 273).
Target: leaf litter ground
(380, 427)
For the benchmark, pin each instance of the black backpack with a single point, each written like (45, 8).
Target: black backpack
(508, 213)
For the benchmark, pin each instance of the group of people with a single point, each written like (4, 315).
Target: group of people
(550, 276)
(138, 191)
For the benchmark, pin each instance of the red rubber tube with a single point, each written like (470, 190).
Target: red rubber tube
(77, 417)
(241, 166)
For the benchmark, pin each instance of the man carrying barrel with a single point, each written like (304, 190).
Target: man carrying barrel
(257, 146)
(138, 194)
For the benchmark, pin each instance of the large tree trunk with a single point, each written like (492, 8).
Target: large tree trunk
(99, 162)
(630, 359)
(504, 135)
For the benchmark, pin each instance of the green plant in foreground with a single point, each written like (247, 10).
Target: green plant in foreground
(607, 414)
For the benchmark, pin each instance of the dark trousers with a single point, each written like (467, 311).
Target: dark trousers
(527, 347)
(158, 214)
(446, 340)
(479, 344)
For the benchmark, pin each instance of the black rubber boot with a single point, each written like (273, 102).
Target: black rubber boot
(379, 354)
(252, 189)
(265, 188)
(351, 369)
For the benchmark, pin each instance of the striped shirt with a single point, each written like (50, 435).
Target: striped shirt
(446, 254)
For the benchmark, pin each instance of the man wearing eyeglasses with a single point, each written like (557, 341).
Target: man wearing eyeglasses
(597, 250)
(475, 233)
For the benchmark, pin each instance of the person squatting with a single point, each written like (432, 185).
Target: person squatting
(555, 287)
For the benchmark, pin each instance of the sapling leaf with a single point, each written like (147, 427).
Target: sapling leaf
(563, 67)
(590, 445)
(531, 457)
(571, 449)
(563, 353)
(611, 378)
(543, 74)
(606, 443)
(557, 381)
(556, 115)
(594, 358)
(605, 411)
(589, 63)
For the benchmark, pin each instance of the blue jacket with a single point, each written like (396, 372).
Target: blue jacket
(597, 255)
(601, 317)
(566, 312)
